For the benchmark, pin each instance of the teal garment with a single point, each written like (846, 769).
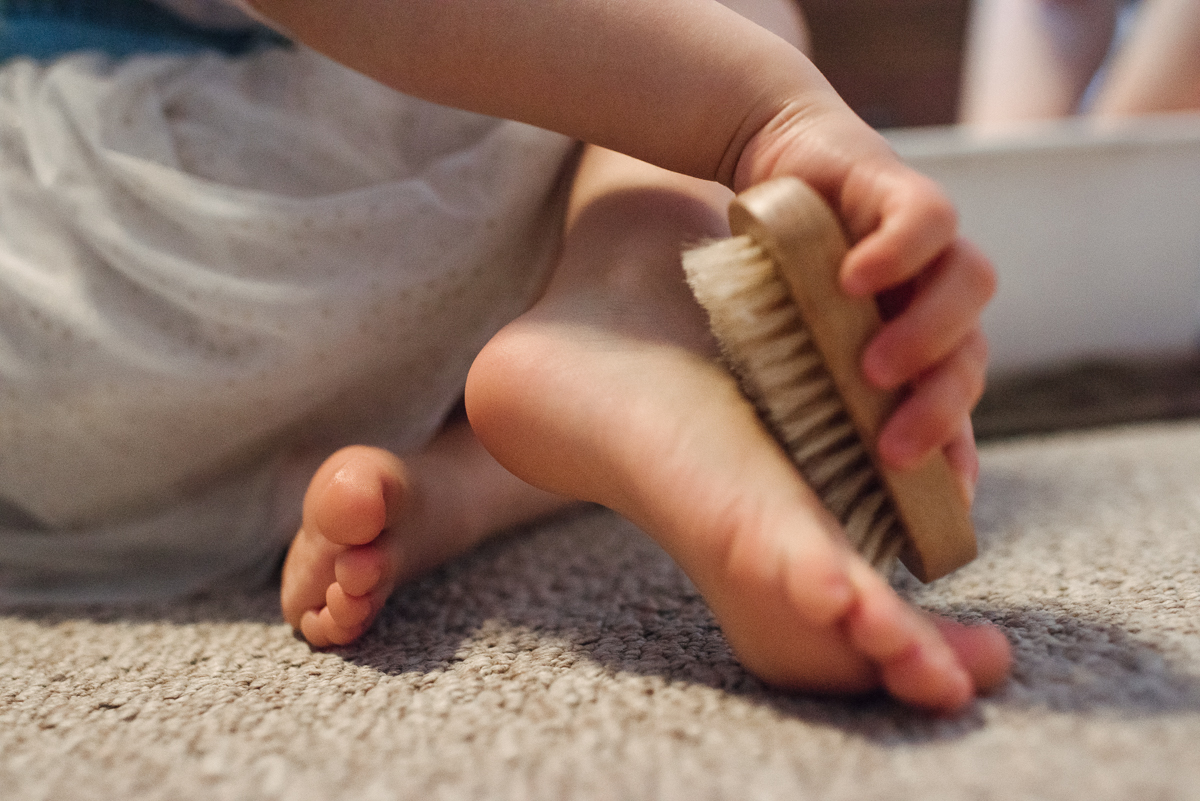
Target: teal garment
(46, 29)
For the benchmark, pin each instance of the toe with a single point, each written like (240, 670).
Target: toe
(983, 650)
(340, 622)
(307, 572)
(350, 615)
(352, 493)
(313, 628)
(927, 675)
(916, 663)
(322, 632)
(817, 581)
(359, 571)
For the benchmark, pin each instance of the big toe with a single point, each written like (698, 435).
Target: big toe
(352, 494)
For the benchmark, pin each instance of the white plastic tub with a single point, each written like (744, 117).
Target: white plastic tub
(1094, 230)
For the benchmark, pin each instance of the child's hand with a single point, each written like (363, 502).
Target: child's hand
(933, 344)
(931, 284)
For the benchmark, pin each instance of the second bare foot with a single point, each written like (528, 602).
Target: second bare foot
(372, 521)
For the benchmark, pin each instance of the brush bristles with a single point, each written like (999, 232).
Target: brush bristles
(767, 346)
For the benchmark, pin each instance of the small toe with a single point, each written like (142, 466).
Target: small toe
(916, 663)
(929, 678)
(982, 649)
(349, 615)
(321, 631)
(313, 630)
(360, 570)
(818, 582)
(307, 572)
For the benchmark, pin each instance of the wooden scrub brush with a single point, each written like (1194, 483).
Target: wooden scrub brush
(795, 340)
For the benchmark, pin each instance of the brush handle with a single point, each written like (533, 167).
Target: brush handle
(805, 240)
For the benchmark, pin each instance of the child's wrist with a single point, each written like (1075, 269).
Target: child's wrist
(818, 139)
(759, 157)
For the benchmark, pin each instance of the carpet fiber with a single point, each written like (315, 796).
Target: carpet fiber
(574, 661)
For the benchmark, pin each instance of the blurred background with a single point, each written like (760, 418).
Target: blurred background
(1098, 317)
(896, 62)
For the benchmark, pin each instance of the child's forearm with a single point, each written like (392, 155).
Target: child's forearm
(683, 84)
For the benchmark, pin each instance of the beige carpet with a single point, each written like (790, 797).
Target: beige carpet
(575, 662)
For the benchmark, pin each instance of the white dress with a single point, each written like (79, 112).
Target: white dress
(206, 260)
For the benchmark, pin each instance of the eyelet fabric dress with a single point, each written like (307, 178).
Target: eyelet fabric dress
(209, 261)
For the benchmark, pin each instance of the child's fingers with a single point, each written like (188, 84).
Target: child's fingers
(933, 414)
(963, 457)
(943, 309)
(903, 223)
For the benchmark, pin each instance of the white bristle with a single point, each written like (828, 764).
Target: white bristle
(842, 498)
(806, 440)
(768, 347)
(879, 544)
(833, 462)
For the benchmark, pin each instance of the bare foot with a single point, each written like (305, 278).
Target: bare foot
(372, 521)
(607, 391)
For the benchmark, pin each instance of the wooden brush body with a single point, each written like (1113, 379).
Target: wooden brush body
(806, 246)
